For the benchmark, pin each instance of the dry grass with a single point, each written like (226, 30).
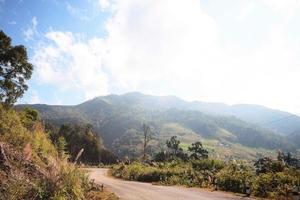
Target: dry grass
(105, 195)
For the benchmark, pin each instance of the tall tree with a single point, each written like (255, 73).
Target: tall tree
(173, 145)
(176, 150)
(147, 138)
(14, 70)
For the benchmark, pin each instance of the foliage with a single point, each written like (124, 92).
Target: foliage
(144, 172)
(266, 177)
(273, 185)
(12, 129)
(212, 165)
(119, 119)
(61, 146)
(33, 169)
(234, 176)
(175, 151)
(266, 165)
(73, 138)
(290, 160)
(14, 70)
(107, 156)
(197, 150)
(128, 144)
(161, 156)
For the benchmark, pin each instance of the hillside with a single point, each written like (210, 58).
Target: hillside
(295, 138)
(118, 118)
(279, 121)
(33, 167)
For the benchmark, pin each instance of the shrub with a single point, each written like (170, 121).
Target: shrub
(233, 177)
(11, 129)
(208, 164)
(271, 185)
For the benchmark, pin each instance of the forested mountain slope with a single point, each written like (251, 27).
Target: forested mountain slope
(119, 118)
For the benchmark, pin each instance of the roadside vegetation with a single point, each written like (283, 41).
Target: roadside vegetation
(265, 177)
(32, 166)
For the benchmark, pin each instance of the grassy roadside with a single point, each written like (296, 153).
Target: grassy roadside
(211, 174)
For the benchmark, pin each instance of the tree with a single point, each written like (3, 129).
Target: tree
(290, 160)
(77, 137)
(176, 150)
(266, 165)
(61, 146)
(198, 152)
(147, 138)
(161, 156)
(14, 70)
(107, 157)
(173, 145)
(29, 117)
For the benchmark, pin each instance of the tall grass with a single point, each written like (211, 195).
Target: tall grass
(37, 171)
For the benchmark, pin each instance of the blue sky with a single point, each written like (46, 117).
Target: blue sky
(209, 50)
(80, 17)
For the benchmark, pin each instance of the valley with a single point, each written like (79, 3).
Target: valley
(118, 119)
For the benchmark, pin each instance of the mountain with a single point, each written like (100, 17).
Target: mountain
(221, 127)
(295, 138)
(279, 121)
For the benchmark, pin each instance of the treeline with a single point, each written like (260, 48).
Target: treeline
(73, 138)
(265, 177)
(120, 124)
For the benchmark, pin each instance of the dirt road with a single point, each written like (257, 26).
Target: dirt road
(131, 190)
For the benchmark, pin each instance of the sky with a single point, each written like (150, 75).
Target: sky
(233, 51)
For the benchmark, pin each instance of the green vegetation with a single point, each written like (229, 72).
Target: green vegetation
(119, 119)
(74, 137)
(268, 178)
(31, 165)
(14, 70)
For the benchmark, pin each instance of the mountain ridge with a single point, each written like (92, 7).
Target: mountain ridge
(118, 118)
(281, 122)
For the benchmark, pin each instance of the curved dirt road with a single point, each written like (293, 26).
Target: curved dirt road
(131, 190)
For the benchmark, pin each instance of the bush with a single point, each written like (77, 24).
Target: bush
(208, 164)
(271, 185)
(12, 130)
(233, 177)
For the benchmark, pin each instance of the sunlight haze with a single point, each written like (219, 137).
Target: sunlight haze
(215, 51)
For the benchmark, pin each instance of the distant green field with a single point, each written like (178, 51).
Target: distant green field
(221, 148)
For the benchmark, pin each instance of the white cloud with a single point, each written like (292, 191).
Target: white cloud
(31, 30)
(35, 98)
(177, 47)
(285, 7)
(70, 63)
(174, 47)
(104, 4)
(247, 8)
(80, 13)
(85, 13)
(154, 43)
